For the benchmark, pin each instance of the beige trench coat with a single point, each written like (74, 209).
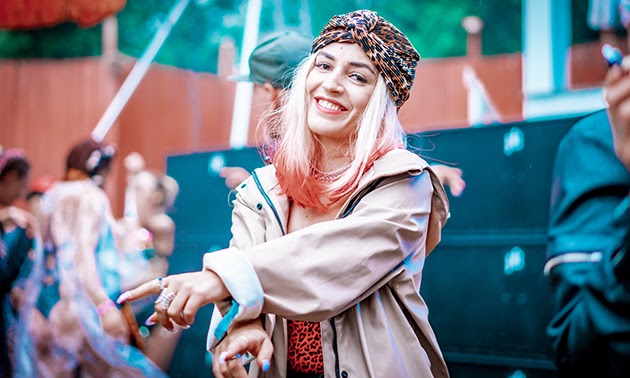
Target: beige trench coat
(358, 275)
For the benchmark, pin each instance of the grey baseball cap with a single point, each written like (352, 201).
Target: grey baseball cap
(275, 58)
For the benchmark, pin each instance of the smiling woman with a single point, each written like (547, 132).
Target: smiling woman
(323, 272)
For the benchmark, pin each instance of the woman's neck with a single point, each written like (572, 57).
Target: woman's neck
(334, 159)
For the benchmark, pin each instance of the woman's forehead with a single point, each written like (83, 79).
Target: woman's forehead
(346, 51)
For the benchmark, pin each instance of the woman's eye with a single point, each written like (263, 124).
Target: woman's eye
(323, 65)
(359, 78)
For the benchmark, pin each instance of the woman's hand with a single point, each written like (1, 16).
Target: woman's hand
(181, 296)
(234, 176)
(242, 337)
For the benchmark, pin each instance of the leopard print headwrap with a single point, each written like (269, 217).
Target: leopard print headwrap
(386, 46)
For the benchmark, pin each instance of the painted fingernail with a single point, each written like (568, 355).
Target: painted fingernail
(222, 357)
(238, 355)
(123, 297)
(149, 322)
(266, 365)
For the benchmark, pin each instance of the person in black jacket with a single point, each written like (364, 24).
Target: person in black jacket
(589, 236)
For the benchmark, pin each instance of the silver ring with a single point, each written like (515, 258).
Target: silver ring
(168, 298)
(160, 282)
(162, 295)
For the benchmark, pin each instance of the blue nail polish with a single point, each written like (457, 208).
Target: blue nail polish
(266, 365)
(613, 56)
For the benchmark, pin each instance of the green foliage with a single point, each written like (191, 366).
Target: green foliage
(433, 26)
(193, 42)
(62, 41)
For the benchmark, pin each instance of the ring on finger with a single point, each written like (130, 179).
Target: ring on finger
(160, 283)
(164, 294)
(168, 298)
(161, 297)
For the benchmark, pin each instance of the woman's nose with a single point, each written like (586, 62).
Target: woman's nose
(332, 84)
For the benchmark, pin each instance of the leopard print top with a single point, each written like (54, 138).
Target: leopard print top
(305, 347)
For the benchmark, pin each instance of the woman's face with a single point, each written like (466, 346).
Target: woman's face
(339, 87)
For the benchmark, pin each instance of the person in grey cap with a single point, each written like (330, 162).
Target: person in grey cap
(275, 58)
(271, 67)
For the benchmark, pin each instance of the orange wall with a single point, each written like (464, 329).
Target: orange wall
(46, 106)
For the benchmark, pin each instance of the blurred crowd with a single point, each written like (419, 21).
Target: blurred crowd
(64, 259)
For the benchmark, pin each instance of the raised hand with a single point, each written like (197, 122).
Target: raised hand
(234, 176)
(451, 177)
(617, 95)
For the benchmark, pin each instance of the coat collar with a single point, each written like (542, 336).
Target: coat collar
(393, 163)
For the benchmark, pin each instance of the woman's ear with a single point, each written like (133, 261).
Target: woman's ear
(272, 93)
(268, 88)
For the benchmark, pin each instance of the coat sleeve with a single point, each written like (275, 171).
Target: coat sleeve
(320, 271)
(591, 318)
(590, 334)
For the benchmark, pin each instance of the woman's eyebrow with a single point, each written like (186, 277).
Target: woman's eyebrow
(352, 63)
(327, 55)
(362, 65)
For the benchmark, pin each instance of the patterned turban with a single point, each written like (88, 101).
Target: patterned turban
(386, 46)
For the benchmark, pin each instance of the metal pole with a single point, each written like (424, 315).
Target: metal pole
(243, 96)
(137, 73)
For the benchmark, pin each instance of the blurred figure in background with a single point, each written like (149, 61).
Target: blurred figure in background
(271, 67)
(148, 232)
(36, 189)
(147, 236)
(589, 237)
(74, 280)
(17, 228)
